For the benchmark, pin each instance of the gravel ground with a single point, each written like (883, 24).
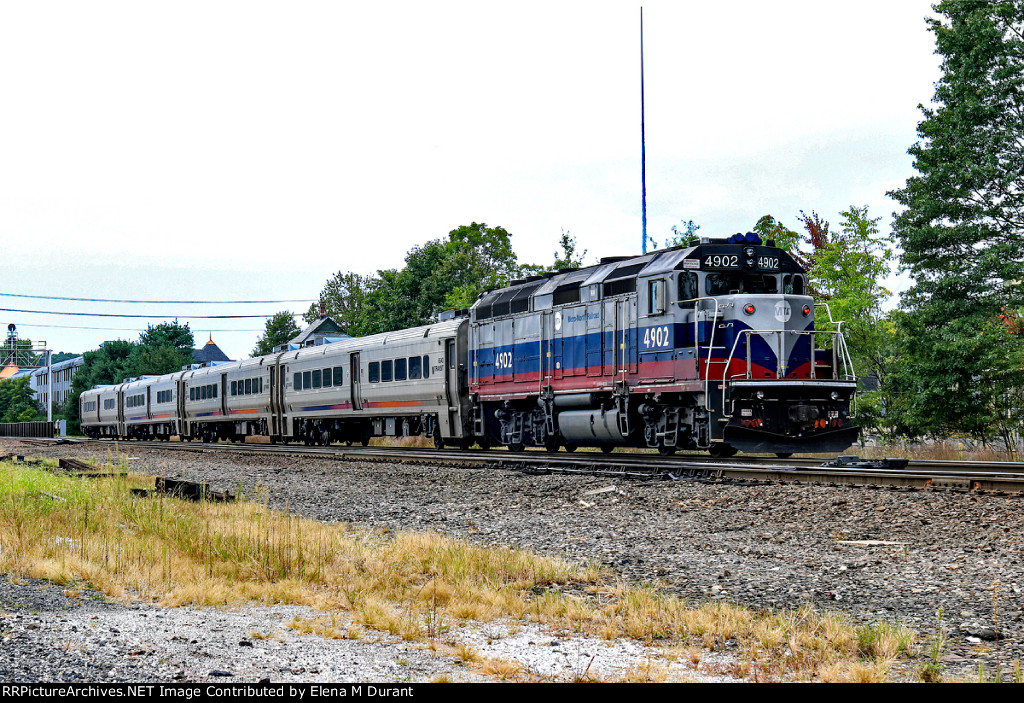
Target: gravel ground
(877, 554)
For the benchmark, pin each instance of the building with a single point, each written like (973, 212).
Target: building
(208, 354)
(62, 372)
(323, 330)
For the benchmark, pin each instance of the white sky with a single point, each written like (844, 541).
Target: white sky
(248, 150)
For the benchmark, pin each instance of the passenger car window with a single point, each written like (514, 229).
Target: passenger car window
(327, 378)
(316, 378)
(307, 380)
(374, 372)
(386, 370)
(400, 369)
(338, 376)
(426, 366)
(415, 364)
(297, 385)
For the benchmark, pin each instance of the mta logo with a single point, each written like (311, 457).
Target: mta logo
(782, 311)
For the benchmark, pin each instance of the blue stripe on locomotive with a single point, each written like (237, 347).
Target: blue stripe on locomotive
(572, 353)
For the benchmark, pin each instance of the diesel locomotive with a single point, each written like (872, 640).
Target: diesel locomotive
(710, 346)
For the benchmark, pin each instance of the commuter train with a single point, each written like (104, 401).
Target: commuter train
(711, 346)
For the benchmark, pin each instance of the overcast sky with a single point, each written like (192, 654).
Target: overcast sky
(248, 150)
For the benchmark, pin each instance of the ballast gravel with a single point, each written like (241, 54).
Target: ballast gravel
(877, 554)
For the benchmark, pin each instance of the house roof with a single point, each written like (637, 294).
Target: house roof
(209, 353)
(315, 333)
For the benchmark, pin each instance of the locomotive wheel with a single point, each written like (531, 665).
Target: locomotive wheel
(515, 446)
(484, 443)
(438, 441)
(607, 448)
(551, 444)
(783, 455)
(722, 451)
(666, 451)
(366, 440)
(570, 447)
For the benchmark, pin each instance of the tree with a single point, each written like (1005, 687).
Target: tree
(16, 402)
(682, 235)
(785, 238)
(168, 334)
(567, 259)
(161, 349)
(278, 330)
(962, 229)
(342, 298)
(847, 268)
(442, 274)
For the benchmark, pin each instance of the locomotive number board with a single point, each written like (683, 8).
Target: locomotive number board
(736, 258)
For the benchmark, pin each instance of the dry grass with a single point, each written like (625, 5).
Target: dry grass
(502, 669)
(412, 585)
(416, 441)
(949, 450)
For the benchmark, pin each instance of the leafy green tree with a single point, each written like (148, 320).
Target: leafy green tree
(278, 330)
(568, 257)
(161, 349)
(16, 402)
(847, 268)
(441, 274)
(785, 238)
(962, 229)
(682, 235)
(168, 334)
(342, 298)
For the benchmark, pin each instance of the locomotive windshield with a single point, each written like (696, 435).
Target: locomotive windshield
(726, 283)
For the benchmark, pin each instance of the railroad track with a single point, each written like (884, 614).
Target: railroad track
(997, 477)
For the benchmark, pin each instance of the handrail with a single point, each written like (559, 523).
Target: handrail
(840, 354)
(696, 343)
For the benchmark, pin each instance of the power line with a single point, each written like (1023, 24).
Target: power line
(169, 302)
(150, 317)
(115, 329)
(172, 302)
(183, 302)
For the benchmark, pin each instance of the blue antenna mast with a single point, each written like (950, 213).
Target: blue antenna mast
(643, 138)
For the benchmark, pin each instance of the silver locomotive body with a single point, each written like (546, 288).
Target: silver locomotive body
(710, 346)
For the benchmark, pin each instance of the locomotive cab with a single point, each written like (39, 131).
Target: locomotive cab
(775, 382)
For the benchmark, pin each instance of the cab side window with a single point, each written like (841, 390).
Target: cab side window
(656, 297)
(688, 290)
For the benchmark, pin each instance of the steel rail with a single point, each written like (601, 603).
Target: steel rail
(967, 476)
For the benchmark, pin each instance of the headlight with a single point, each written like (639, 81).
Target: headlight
(749, 309)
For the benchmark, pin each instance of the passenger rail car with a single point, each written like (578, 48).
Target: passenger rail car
(409, 382)
(712, 346)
